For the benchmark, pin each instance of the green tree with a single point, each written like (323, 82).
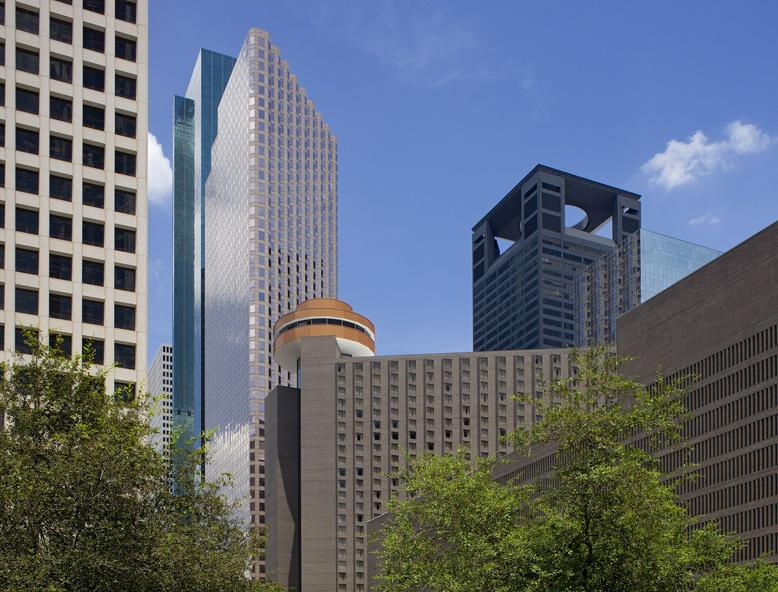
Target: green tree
(84, 497)
(604, 521)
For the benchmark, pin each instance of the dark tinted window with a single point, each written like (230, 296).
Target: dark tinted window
(551, 202)
(27, 20)
(125, 87)
(94, 117)
(530, 226)
(61, 109)
(62, 344)
(125, 48)
(93, 195)
(26, 301)
(60, 267)
(124, 317)
(60, 187)
(26, 180)
(61, 148)
(92, 272)
(125, 240)
(27, 140)
(125, 163)
(2, 215)
(61, 69)
(2, 94)
(93, 234)
(95, 5)
(94, 39)
(125, 125)
(93, 349)
(2, 174)
(124, 201)
(2, 256)
(2, 134)
(94, 156)
(126, 11)
(27, 100)
(26, 260)
(124, 355)
(124, 278)
(60, 227)
(552, 222)
(92, 311)
(94, 78)
(22, 337)
(60, 30)
(27, 221)
(60, 306)
(27, 60)
(2, 52)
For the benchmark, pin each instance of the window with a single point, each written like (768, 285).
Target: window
(126, 10)
(27, 140)
(125, 163)
(92, 272)
(93, 349)
(95, 6)
(124, 317)
(2, 94)
(124, 278)
(61, 148)
(26, 301)
(61, 109)
(124, 201)
(94, 78)
(60, 267)
(60, 30)
(23, 336)
(94, 117)
(124, 240)
(2, 134)
(26, 180)
(125, 391)
(2, 52)
(62, 344)
(27, 60)
(2, 256)
(60, 227)
(94, 156)
(60, 187)
(124, 355)
(26, 261)
(125, 48)
(125, 125)
(27, 100)
(2, 215)
(61, 69)
(125, 87)
(94, 39)
(60, 306)
(93, 234)
(27, 221)
(27, 20)
(92, 311)
(93, 195)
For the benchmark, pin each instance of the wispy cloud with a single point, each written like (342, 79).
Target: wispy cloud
(707, 219)
(685, 161)
(160, 173)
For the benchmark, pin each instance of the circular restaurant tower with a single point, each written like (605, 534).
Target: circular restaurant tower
(318, 317)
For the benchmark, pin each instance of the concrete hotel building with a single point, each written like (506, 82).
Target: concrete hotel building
(333, 442)
(73, 171)
(161, 388)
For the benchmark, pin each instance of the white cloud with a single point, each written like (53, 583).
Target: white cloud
(705, 219)
(684, 161)
(160, 174)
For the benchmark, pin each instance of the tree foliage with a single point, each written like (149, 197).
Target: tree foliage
(602, 521)
(85, 500)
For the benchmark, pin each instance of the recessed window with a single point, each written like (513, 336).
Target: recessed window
(94, 156)
(26, 180)
(60, 267)
(125, 48)
(24, 338)
(27, 20)
(2, 52)
(61, 109)
(61, 69)
(2, 174)
(2, 94)
(27, 100)
(124, 317)
(124, 391)
(60, 306)
(94, 78)
(61, 148)
(27, 60)
(26, 301)
(93, 350)
(124, 355)
(92, 311)
(124, 201)
(94, 117)
(125, 163)
(93, 195)
(95, 6)
(92, 272)
(27, 221)
(61, 344)
(124, 278)
(94, 39)
(26, 261)
(126, 10)
(60, 187)
(60, 30)
(60, 227)
(2, 215)
(125, 87)
(27, 140)
(124, 240)
(125, 125)
(93, 233)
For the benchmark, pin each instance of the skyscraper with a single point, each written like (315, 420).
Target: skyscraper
(528, 249)
(74, 177)
(194, 130)
(160, 387)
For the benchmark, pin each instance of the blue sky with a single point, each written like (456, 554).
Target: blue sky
(441, 107)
